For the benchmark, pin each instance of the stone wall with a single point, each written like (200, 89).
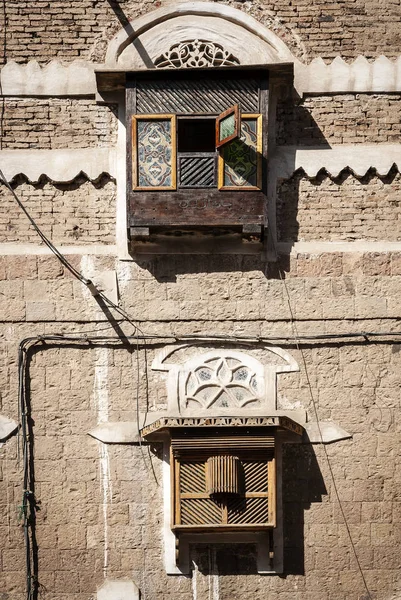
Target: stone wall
(100, 507)
(81, 484)
(339, 119)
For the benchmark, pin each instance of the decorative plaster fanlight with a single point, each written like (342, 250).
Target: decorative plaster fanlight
(195, 54)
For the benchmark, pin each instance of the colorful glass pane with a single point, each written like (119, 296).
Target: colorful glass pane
(154, 153)
(227, 127)
(241, 157)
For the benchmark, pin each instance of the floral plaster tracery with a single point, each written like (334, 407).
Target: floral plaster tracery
(224, 381)
(195, 53)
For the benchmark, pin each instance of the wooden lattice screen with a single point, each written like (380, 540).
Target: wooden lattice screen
(243, 467)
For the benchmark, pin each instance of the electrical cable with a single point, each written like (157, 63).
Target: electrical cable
(3, 100)
(64, 261)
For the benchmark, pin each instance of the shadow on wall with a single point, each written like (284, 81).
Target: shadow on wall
(168, 267)
(303, 485)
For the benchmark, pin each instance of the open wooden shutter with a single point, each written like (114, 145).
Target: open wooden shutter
(240, 161)
(228, 125)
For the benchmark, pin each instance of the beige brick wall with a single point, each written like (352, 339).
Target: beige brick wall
(340, 119)
(58, 123)
(345, 208)
(81, 212)
(70, 29)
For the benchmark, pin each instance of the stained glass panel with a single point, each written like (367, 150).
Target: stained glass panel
(227, 126)
(242, 157)
(154, 153)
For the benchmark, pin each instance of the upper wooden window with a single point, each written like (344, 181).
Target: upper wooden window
(197, 132)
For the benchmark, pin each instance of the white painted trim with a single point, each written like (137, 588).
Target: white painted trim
(169, 538)
(60, 165)
(312, 248)
(120, 166)
(339, 77)
(358, 157)
(315, 248)
(53, 79)
(137, 27)
(9, 249)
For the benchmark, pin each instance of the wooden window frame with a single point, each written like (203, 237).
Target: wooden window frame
(259, 149)
(155, 117)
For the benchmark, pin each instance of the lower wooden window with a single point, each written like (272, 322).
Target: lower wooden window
(223, 489)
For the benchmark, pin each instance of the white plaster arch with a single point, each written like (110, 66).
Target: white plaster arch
(266, 374)
(144, 39)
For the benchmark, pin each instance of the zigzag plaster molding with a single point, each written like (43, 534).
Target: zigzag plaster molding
(359, 158)
(381, 75)
(58, 165)
(78, 78)
(66, 165)
(54, 79)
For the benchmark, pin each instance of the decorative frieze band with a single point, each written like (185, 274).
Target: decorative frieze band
(65, 165)
(78, 78)
(58, 165)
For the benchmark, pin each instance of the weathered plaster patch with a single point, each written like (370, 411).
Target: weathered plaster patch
(54, 79)
(118, 590)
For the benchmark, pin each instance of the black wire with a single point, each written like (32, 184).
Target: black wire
(43, 237)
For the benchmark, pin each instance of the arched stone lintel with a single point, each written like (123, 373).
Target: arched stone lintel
(136, 28)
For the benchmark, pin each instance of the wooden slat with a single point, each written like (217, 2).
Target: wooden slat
(196, 95)
(223, 476)
(192, 207)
